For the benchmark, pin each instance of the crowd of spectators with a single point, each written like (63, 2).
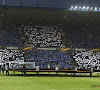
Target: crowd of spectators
(43, 58)
(48, 36)
(11, 55)
(38, 36)
(10, 36)
(84, 38)
(87, 59)
(44, 36)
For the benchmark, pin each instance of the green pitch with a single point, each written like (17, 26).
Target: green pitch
(48, 82)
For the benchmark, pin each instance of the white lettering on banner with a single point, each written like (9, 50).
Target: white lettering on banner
(12, 47)
(46, 49)
(80, 49)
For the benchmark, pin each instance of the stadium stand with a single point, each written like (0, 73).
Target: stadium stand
(53, 58)
(10, 36)
(87, 59)
(49, 36)
(84, 38)
(11, 55)
(43, 36)
(38, 36)
(46, 36)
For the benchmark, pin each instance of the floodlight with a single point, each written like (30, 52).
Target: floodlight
(87, 7)
(84, 7)
(95, 8)
(72, 7)
(75, 6)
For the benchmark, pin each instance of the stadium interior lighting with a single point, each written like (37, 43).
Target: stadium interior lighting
(76, 7)
(95, 8)
(84, 7)
(87, 7)
(72, 7)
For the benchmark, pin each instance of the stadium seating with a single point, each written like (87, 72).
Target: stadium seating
(9, 36)
(84, 38)
(42, 36)
(87, 59)
(48, 36)
(41, 58)
(11, 55)
(53, 58)
(38, 36)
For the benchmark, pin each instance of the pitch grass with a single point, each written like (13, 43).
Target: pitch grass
(47, 82)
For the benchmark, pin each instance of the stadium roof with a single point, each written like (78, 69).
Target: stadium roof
(51, 3)
(49, 17)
